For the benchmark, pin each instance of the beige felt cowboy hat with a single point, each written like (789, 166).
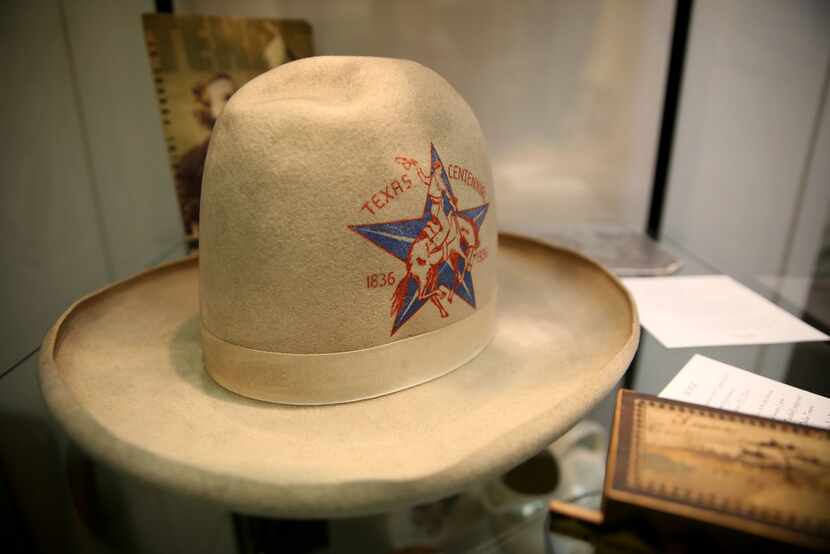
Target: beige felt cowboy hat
(354, 335)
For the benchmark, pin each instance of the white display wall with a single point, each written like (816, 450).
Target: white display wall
(569, 94)
(749, 184)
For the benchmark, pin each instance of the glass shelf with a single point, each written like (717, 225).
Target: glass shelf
(96, 509)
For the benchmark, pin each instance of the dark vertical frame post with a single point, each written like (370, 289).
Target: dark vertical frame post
(164, 6)
(674, 83)
(671, 99)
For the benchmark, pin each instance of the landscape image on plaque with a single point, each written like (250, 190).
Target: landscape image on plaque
(763, 471)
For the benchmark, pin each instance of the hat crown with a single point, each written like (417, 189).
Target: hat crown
(347, 204)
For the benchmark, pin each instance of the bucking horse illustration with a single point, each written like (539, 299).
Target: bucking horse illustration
(449, 236)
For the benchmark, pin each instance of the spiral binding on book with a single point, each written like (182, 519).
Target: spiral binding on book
(164, 109)
(161, 95)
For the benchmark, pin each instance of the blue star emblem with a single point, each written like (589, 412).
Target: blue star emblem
(397, 238)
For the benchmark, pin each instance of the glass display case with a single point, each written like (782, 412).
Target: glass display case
(660, 138)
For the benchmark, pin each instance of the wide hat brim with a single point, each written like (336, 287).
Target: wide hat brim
(122, 371)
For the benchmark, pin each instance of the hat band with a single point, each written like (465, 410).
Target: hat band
(338, 377)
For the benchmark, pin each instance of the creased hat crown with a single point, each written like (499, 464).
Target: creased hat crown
(348, 232)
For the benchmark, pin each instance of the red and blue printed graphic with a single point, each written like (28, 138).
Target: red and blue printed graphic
(438, 247)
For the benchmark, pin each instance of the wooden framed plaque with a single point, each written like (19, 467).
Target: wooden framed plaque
(751, 474)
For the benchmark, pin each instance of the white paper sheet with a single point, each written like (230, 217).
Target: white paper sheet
(712, 310)
(712, 383)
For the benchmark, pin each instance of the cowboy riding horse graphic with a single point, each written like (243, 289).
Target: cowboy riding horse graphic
(438, 248)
